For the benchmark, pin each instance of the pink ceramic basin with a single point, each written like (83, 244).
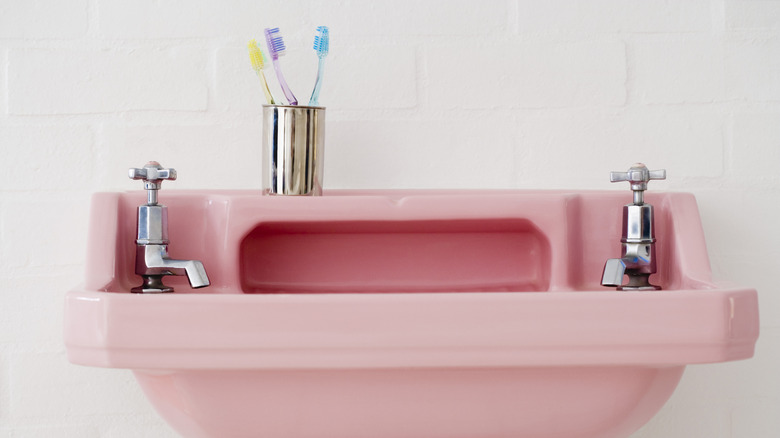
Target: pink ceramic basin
(405, 314)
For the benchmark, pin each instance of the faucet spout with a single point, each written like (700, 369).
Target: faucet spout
(193, 269)
(614, 270)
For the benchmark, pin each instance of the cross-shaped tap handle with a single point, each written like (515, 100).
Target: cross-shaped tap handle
(153, 175)
(638, 175)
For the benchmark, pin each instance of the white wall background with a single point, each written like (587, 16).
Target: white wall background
(449, 94)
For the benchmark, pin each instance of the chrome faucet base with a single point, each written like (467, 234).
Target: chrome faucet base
(638, 282)
(152, 285)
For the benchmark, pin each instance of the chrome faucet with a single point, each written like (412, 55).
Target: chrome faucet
(638, 241)
(151, 255)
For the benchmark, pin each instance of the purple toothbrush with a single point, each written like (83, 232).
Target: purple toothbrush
(276, 48)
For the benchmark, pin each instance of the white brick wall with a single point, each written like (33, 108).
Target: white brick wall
(490, 93)
(489, 74)
(678, 70)
(442, 154)
(753, 68)
(44, 19)
(585, 19)
(412, 18)
(63, 81)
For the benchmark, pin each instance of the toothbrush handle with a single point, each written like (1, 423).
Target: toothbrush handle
(285, 89)
(315, 94)
(268, 96)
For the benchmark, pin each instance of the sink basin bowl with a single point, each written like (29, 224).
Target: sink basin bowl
(405, 314)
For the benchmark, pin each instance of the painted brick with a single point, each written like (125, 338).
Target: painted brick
(756, 148)
(43, 19)
(580, 148)
(756, 421)
(59, 431)
(752, 14)
(743, 243)
(150, 19)
(69, 151)
(681, 418)
(699, 408)
(678, 71)
(206, 157)
(759, 386)
(151, 426)
(412, 17)
(365, 79)
(84, 391)
(24, 295)
(753, 70)
(3, 82)
(612, 16)
(42, 232)
(5, 381)
(528, 75)
(419, 154)
(106, 81)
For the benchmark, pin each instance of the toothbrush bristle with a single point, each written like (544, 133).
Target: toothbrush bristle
(255, 56)
(275, 42)
(322, 41)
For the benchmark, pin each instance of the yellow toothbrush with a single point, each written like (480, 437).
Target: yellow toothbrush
(258, 64)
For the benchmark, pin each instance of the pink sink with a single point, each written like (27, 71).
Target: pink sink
(405, 314)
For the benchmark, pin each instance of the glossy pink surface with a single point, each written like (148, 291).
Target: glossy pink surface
(405, 314)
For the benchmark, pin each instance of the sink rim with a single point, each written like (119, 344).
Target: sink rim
(486, 329)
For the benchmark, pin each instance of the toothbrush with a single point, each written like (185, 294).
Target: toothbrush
(276, 48)
(258, 64)
(321, 45)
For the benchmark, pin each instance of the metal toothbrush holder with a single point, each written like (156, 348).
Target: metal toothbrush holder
(293, 149)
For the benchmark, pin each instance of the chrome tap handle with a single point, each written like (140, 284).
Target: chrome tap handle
(152, 174)
(638, 175)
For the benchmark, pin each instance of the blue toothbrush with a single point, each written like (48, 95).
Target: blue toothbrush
(321, 44)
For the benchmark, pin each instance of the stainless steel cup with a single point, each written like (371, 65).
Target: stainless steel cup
(293, 148)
